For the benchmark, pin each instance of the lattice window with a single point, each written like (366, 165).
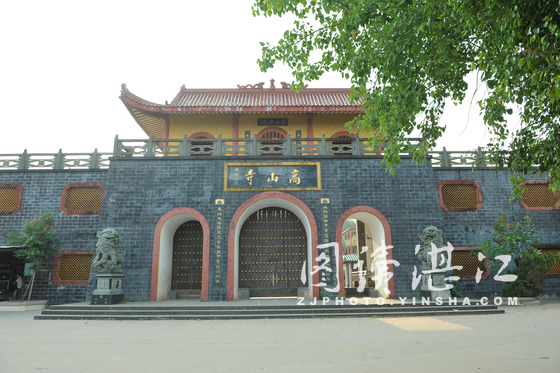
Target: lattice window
(462, 256)
(82, 199)
(554, 271)
(460, 196)
(10, 199)
(539, 196)
(73, 267)
(273, 134)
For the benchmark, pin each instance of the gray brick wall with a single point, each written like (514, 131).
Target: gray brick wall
(42, 190)
(139, 191)
(473, 227)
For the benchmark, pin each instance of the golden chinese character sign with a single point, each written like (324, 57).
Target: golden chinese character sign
(272, 176)
(219, 245)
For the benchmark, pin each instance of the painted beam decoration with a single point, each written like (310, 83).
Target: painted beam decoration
(272, 176)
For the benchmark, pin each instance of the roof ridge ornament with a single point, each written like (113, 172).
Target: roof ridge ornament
(289, 86)
(251, 86)
(260, 85)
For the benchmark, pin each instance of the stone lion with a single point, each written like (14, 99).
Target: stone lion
(431, 236)
(108, 258)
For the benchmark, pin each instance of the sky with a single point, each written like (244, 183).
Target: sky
(63, 63)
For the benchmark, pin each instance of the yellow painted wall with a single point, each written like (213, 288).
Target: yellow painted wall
(295, 122)
(216, 124)
(191, 124)
(333, 123)
(329, 124)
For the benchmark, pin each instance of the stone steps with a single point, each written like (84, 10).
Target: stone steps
(226, 312)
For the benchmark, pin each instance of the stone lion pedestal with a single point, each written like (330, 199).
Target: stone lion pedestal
(108, 261)
(438, 282)
(108, 289)
(433, 261)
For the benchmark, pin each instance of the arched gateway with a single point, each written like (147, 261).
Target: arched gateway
(270, 237)
(272, 252)
(378, 257)
(186, 272)
(176, 257)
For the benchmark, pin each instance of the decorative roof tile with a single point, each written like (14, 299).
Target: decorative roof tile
(264, 98)
(248, 99)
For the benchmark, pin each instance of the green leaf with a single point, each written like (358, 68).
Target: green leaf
(38, 241)
(405, 59)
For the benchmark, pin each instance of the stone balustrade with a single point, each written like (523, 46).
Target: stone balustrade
(226, 147)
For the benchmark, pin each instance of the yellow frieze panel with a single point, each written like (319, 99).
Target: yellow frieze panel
(199, 125)
(236, 125)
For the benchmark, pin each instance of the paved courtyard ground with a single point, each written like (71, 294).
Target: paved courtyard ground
(524, 339)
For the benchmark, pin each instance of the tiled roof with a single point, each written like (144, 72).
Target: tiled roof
(308, 100)
(249, 100)
(245, 99)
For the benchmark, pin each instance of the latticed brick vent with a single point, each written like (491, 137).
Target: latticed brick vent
(9, 199)
(555, 269)
(469, 262)
(539, 195)
(74, 267)
(83, 199)
(460, 196)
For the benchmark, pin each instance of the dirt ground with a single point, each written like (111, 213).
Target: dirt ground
(525, 338)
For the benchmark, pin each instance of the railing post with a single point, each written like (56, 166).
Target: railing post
(116, 147)
(297, 144)
(58, 160)
(254, 149)
(94, 160)
(480, 159)
(23, 161)
(219, 150)
(323, 147)
(184, 146)
(445, 160)
(288, 150)
(358, 150)
(150, 147)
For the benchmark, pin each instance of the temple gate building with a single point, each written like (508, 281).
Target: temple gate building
(245, 192)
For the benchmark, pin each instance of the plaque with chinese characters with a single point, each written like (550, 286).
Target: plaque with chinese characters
(267, 122)
(272, 176)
